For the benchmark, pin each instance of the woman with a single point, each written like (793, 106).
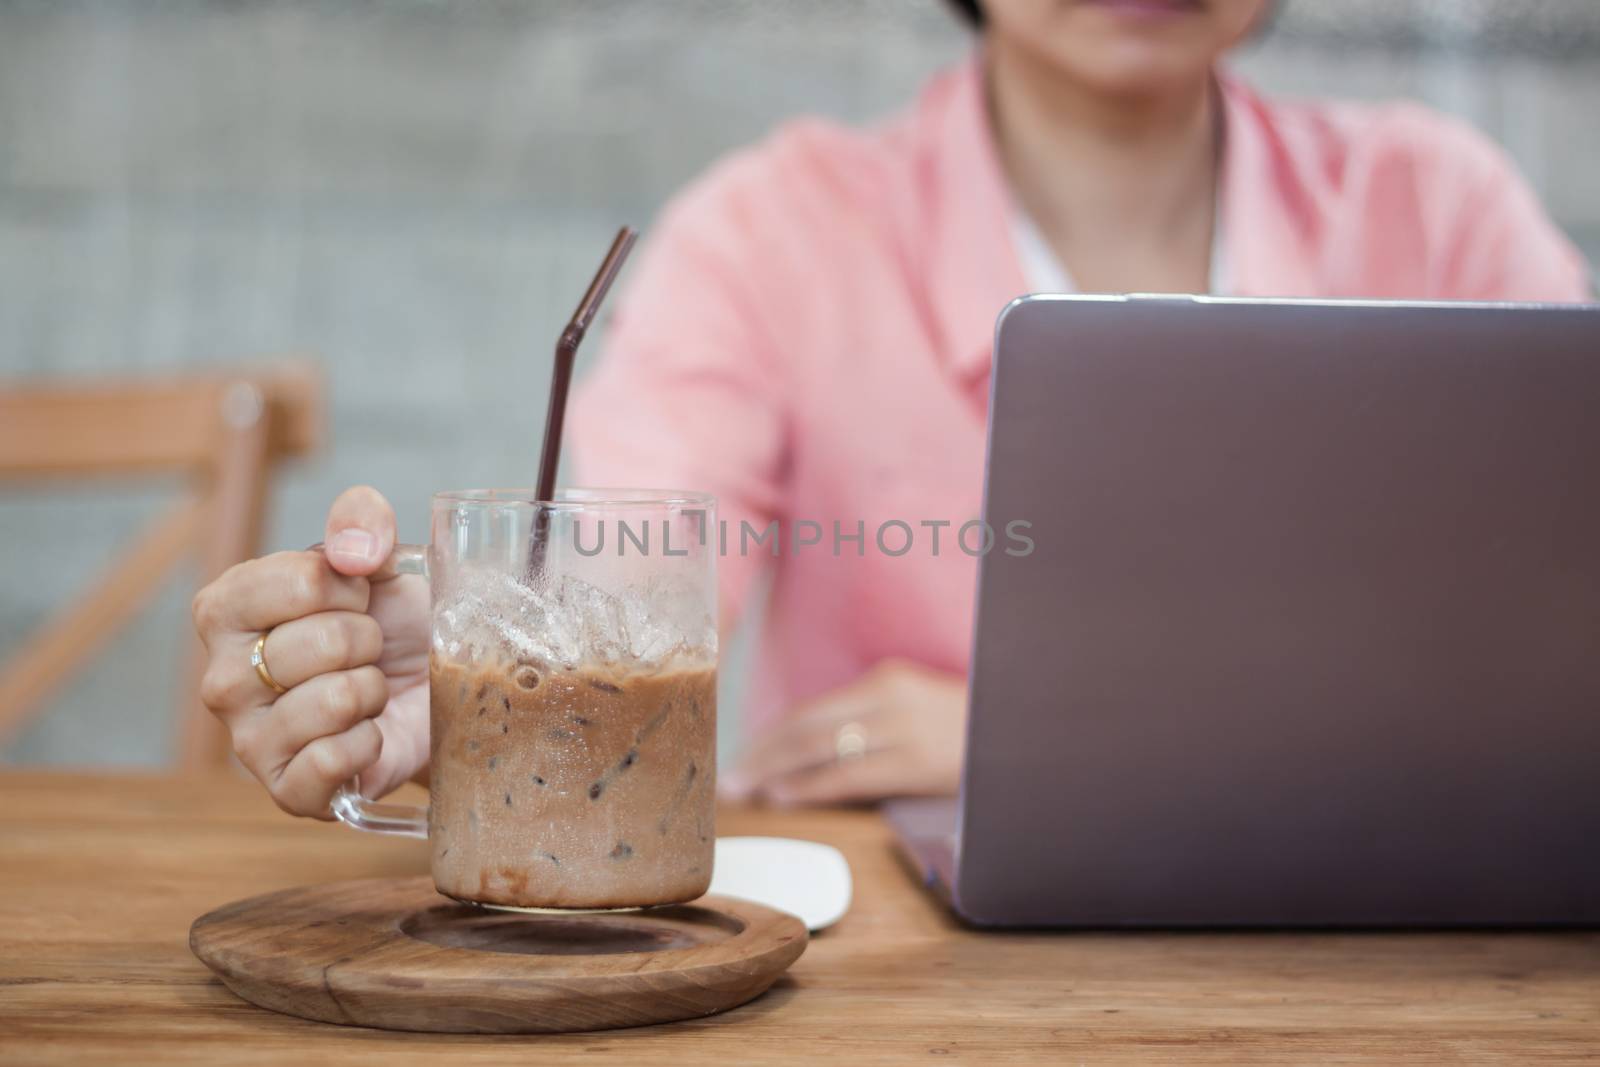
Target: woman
(808, 338)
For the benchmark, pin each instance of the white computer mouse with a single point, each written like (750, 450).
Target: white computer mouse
(804, 878)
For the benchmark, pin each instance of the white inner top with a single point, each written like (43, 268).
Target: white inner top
(1045, 273)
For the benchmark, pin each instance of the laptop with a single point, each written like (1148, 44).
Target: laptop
(1310, 633)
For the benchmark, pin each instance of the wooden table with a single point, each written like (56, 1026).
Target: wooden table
(101, 875)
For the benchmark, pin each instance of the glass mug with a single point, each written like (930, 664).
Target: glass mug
(572, 681)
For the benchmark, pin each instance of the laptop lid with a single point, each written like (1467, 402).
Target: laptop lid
(1310, 633)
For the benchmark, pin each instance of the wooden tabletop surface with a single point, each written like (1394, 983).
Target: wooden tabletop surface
(101, 875)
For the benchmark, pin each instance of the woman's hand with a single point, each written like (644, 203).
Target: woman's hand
(346, 637)
(898, 730)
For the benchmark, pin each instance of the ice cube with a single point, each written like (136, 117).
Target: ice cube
(561, 620)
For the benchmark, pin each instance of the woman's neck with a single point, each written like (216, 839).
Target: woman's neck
(1122, 187)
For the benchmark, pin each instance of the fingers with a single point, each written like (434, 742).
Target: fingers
(305, 785)
(809, 739)
(360, 531)
(913, 720)
(872, 777)
(303, 648)
(261, 593)
(268, 738)
(295, 652)
(404, 723)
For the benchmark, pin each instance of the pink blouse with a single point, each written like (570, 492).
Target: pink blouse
(807, 335)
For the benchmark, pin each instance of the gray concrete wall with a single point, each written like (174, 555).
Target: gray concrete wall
(416, 189)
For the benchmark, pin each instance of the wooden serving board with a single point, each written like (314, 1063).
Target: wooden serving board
(393, 953)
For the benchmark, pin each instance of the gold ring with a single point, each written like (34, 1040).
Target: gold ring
(850, 742)
(258, 660)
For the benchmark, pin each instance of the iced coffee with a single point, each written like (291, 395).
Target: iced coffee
(581, 786)
(573, 678)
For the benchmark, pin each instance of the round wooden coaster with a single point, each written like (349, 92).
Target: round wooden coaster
(393, 953)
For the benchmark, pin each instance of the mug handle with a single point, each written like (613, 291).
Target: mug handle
(349, 806)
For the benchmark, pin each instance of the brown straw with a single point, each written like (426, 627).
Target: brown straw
(561, 380)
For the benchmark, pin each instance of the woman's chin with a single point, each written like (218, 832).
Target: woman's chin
(1137, 72)
(1134, 48)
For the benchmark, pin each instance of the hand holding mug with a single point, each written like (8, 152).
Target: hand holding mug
(560, 685)
(346, 640)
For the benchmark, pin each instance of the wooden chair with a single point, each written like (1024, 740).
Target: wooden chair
(224, 432)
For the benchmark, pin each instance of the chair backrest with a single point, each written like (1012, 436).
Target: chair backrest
(223, 431)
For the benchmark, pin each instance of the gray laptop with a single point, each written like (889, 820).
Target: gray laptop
(1310, 634)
